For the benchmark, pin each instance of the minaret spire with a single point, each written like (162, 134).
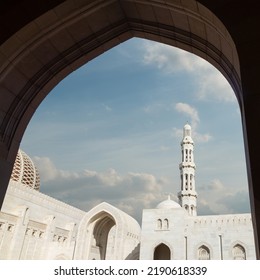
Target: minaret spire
(187, 195)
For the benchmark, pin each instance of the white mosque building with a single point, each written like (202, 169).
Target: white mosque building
(36, 226)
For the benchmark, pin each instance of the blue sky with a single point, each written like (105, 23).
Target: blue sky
(111, 131)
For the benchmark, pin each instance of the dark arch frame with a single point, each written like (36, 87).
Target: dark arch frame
(60, 35)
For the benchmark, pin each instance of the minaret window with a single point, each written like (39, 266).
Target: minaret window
(192, 210)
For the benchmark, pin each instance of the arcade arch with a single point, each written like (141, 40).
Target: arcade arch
(101, 229)
(106, 225)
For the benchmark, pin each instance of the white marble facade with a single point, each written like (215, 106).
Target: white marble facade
(36, 226)
(174, 231)
(169, 232)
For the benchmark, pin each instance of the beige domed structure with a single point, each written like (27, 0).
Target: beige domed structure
(25, 172)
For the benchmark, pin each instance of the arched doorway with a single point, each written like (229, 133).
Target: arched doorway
(104, 234)
(162, 252)
(103, 239)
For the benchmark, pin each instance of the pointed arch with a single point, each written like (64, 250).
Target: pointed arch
(165, 224)
(60, 40)
(238, 252)
(102, 241)
(159, 223)
(162, 252)
(62, 257)
(106, 232)
(75, 35)
(203, 253)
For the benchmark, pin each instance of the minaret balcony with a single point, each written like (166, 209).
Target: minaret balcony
(187, 165)
(187, 193)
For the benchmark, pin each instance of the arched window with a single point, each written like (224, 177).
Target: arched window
(191, 181)
(192, 209)
(165, 224)
(159, 224)
(162, 252)
(239, 252)
(203, 253)
(186, 182)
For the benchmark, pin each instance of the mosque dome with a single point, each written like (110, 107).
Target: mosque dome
(168, 204)
(25, 172)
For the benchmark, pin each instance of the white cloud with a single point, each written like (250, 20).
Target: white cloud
(107, 108)
(48, 170)
(193, 116)
(171, 59)
(189, 111)
(217, 198)
(202, 138)
(214, 185)
(155, 107)
(164, 148)
(210, 83)
(213, 86)
(131, 192)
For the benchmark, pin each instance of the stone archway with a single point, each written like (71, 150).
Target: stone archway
(61, 38)
(101, 237)
(162, 252)
(106, 232)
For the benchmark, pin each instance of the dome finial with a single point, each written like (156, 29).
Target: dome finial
(186, 130)
(167, 194)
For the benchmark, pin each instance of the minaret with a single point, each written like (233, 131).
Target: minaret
(187, 195)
